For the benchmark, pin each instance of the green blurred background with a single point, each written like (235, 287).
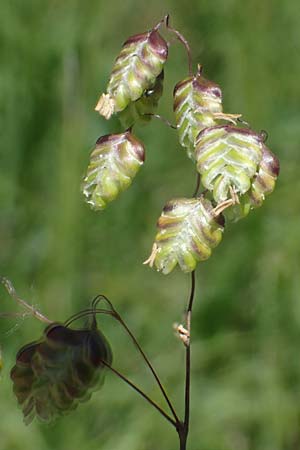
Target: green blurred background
(56, 57)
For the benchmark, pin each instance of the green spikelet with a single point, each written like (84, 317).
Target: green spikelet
(135, 70)
(228, 158)
(113, 164)
(263, 184)
(187, 231)
(141, 110)
(197, 105)
(265, 179)
(63, 368)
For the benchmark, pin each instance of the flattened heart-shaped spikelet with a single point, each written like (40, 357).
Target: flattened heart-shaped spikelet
(113, 164)
(51, 376)
(136, 68)
(228, 159)
(187, 232)
(195, 101)
(141, 110)
(265, 179)
(263, 184)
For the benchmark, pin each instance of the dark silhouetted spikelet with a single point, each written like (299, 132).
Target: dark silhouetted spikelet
(54, 374)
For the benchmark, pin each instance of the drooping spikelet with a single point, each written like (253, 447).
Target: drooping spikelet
(228, 158)
(113, 164)
(63, 368)
(265, 179)
(197, 105)
(263, 184)
(136, 68)
(142, 109)
(187, 231)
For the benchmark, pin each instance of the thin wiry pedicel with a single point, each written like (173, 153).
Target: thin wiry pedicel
(136, 68)
(197, 105)
(63, 368)
(113, 164)
(187, 231)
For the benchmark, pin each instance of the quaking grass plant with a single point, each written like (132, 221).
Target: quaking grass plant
(235, 171)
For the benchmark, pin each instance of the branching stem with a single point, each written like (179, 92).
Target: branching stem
(113, 313)
(182, 39)
(139, 391)
(163, 119)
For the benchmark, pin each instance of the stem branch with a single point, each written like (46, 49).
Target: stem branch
(182, 39)
(139, 391)
(163, 391)
(113, 313)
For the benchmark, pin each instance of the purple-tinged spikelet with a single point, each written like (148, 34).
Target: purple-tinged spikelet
(136, 68)
(54, 374)
(113, 164)
(197, 105)
(187, 231)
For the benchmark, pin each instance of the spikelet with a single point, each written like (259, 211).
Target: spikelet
(263, 184)
(136, 68)
(113, 164)
(228, 158)
(265, 179)
(54, 374)
(141, 110)
(187, 231)
(197, 105)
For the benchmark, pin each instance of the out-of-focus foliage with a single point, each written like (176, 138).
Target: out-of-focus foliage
(55, 59)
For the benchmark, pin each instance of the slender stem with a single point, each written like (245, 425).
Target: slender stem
(33, 311)
(163, 119)
(182, 39)
(184, 429)
(158, 25)
(117, 316)
(188, 352)
(139, 391)
(163, 391)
